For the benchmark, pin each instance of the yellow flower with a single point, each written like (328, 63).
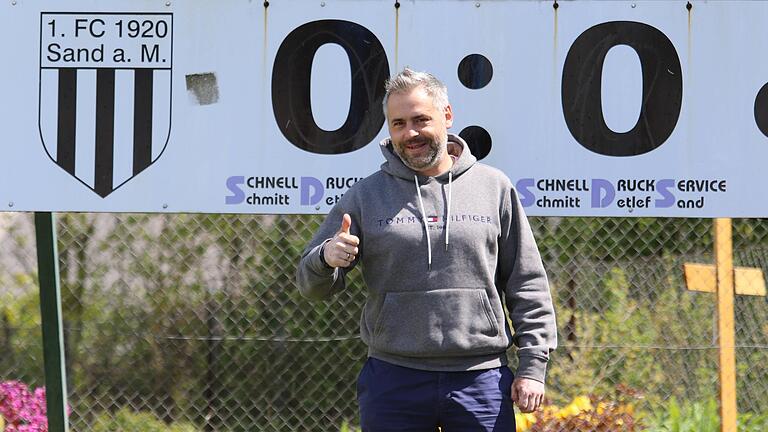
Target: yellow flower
(627, 409)
(523, 422)
(583, 403)
(550, 411)
(577, 406)
(569, 411)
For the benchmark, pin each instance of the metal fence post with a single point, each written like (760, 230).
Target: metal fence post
(50, 310)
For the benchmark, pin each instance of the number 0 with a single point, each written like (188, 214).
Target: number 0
(662, 88)
(291, 78)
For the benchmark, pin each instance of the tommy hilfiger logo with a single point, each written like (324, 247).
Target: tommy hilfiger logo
(105, 94)
(434, 219)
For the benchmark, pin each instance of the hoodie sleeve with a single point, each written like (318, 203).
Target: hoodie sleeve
(314, 279)
(526, 288)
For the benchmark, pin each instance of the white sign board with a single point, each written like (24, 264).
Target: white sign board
(593, 108)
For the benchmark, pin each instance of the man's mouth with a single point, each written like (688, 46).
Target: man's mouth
(415, 145)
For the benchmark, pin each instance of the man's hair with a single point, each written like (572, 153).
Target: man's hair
(409, 79)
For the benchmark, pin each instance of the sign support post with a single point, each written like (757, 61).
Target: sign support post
(726, 281)
(50, 311)
(726, 334)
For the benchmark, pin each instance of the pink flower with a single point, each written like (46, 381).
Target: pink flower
(23, 410)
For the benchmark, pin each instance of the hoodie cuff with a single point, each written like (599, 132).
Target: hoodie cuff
(317, 263)
(531, 367)
(321, 252)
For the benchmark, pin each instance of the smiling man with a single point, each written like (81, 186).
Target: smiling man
(444, 244)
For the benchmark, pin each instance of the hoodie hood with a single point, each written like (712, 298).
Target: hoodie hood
(457, 149)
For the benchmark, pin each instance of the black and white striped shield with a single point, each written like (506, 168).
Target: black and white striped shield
(102, 121)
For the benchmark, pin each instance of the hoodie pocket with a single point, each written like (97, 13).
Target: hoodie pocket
(454, 322)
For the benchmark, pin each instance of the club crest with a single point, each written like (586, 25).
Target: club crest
(105, 94)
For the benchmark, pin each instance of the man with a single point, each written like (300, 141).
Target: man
(443, 242)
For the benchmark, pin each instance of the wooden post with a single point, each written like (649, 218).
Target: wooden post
(726, 334)
(50, 310)
(726, 281)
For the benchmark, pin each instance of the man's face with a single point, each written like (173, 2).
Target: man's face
(419, 131)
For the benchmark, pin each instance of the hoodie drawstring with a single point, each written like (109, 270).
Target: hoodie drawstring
(426, 226)
(424, 216)
(448, 216)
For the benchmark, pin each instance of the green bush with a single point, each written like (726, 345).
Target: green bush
(126, 420)
(701, 417)
(346, 427)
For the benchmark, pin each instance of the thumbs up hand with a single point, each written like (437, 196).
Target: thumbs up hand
(342, 249)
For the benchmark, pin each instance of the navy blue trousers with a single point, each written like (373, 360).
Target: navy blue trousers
(399, 399)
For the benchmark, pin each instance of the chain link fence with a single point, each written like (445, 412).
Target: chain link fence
(195, 320)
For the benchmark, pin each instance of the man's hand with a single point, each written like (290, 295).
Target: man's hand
(527, 394)
(341, 250)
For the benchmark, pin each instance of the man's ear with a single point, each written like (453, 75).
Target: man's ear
(448, 116)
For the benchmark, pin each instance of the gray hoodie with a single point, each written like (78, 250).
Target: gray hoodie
(440, 255)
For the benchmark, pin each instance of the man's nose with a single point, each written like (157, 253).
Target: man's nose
(412, 132)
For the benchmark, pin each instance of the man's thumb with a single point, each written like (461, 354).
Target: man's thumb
(346, 223)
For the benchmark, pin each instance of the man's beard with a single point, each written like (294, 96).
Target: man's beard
(429, 160)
